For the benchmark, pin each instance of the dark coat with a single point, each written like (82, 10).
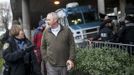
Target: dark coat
(126, 34)
(105, 34)
(19, 61)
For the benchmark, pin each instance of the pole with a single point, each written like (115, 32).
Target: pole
(26, 18)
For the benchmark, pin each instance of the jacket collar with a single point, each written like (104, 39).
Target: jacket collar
(49, 29)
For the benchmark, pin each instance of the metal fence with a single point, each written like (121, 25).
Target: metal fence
(100, 44)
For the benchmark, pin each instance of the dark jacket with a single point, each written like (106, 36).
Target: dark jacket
(19, 61)
(58, 49)
(105, 34)
(126, 34)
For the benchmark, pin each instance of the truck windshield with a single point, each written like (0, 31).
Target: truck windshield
(77, 19)
(89, 17)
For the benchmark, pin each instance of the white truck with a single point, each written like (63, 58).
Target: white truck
(83, 21)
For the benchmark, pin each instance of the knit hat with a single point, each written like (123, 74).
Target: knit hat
(42, 22)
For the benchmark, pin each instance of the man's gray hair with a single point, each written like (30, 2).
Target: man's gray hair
(54, 14)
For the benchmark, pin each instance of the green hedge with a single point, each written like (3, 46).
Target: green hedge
(103, 61)
(1, 63)
(1, 59)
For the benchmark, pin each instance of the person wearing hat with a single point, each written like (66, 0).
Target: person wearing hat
(105, 33)
(37, 39)
(37, 42)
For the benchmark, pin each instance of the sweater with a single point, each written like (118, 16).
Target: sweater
(57, 49)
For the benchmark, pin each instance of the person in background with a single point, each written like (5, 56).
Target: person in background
(37, 42)
(18, 54)
(125, 35)
(105, 33)
(57, 47)
(37, 39)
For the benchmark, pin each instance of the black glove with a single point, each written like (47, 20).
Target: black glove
(29, 48)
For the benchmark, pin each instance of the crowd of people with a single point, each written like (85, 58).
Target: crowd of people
(124, 34)
(52, 49)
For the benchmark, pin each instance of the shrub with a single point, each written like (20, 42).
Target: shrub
(1, 63)
(1, 59)
(103, 61)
